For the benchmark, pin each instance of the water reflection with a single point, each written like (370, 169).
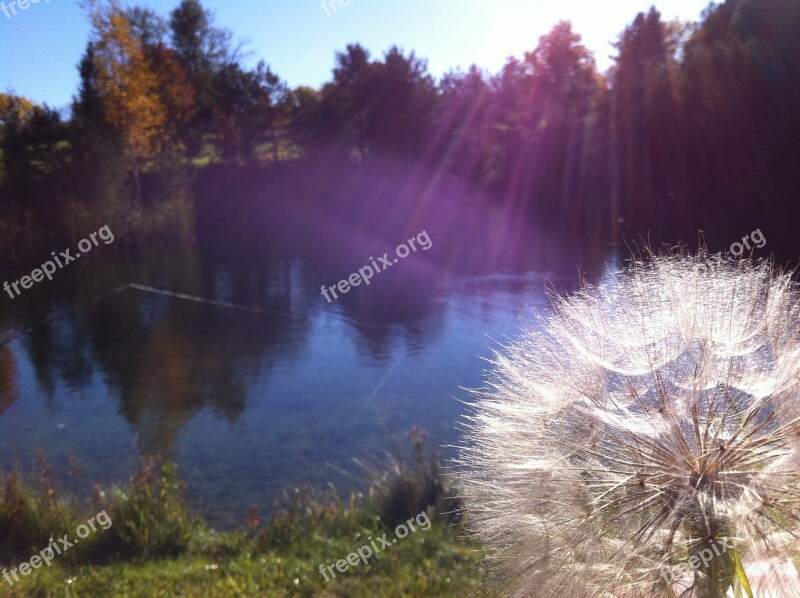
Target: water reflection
(251, 401)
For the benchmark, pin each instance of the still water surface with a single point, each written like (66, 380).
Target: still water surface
(252, 403)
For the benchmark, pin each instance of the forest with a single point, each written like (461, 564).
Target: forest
(692, 119)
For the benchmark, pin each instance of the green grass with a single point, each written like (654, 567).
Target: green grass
(156, 546)
(430, 563)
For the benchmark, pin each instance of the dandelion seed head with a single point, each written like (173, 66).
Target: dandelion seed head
(643, 420)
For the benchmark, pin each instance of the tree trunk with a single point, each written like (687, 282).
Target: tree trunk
(274, 144)
(137, 185)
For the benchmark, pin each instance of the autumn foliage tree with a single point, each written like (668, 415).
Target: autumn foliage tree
(127, 84)
(690, 118)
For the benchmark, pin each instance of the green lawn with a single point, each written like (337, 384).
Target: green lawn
(436, 562)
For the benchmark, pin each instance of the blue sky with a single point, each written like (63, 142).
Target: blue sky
(41, 46)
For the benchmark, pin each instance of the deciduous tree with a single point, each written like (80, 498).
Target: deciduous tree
(127, 83)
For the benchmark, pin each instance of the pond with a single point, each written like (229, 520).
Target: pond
(226, 357)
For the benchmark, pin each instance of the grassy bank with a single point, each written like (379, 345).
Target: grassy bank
(436, 564)
(154, 545)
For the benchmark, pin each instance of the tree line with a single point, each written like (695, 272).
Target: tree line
(691, 119)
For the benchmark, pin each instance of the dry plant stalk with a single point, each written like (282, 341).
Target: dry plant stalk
(640, 423)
